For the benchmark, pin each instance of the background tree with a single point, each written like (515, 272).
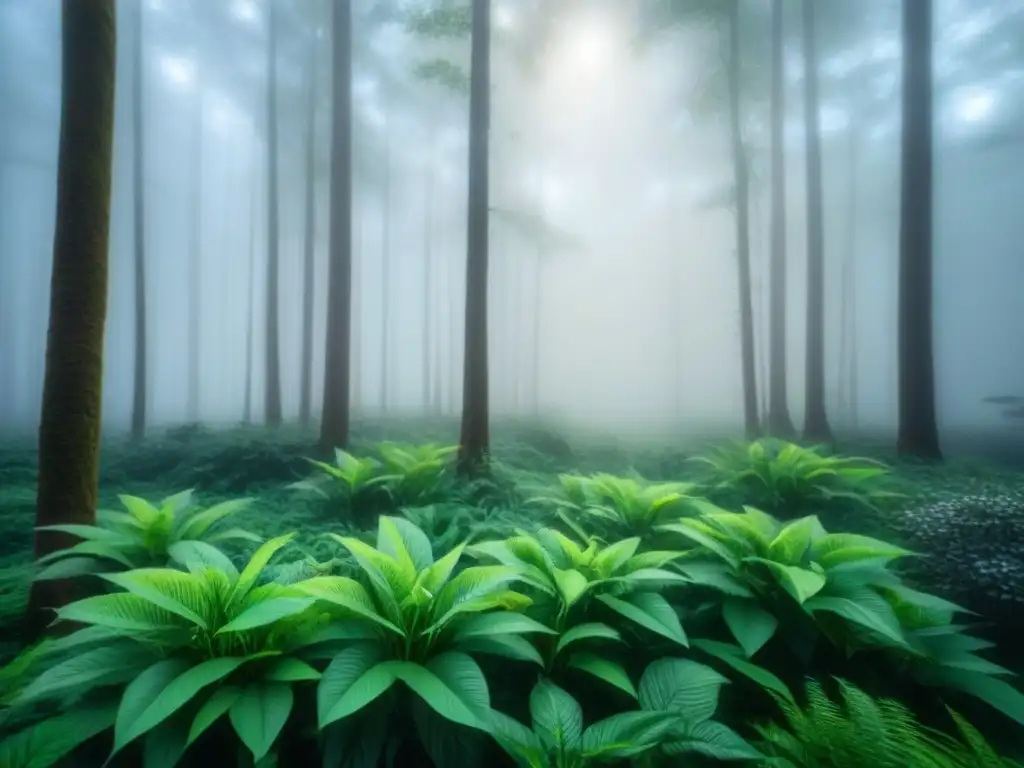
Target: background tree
(272, 395)
(69, 430)
(140, 386)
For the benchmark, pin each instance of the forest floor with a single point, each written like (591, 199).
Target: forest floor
(223, 464)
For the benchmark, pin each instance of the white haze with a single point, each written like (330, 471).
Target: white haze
(639, 321)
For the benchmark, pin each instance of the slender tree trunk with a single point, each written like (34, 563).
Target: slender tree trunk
(848, 312)
(359, 254)
(69, 430)
(474, 440)
(918, 430)
(195, 282)
(453, 330)
(741, 175)
(334, 427)
(535, 336)
(251, 315)
(272, 392)
(779, 422)
(816, 426)
(306, 385)
(385, 276)
(140, 388)
(428, 275)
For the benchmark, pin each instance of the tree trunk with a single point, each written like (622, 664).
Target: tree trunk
(816, 426)
(474, 440)
(848, 311)
(741, 174)
(334, 426)
(385, 275)
(195, 282)
(309, 235)
(779, 422)
(69, 430)
(918, 431)
(535, 338)
(272, 394)
(428, 276)
(358, 253)
(139, 393)
(251, 315)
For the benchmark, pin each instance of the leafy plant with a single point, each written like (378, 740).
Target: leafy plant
(859, 730)
(787, 480)
(355, 483)
(141, 536)
(416, 475)
(177, 650)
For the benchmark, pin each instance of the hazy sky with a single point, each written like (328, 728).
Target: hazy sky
(620, 146)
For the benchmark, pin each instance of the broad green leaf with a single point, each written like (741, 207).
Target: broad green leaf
(352, 680)
(502, 623)
(557, 717)
(88, 669)
(800, 583)
(733, 657)
(709, 739)
(175, 591)
(46, 743)
(140, 509)
(683, 686)
(651, 611)
(220, 701)
(401, 539)
(71, 567)
(199, 523)
(839, 548)
(465, 592)
(518, 741)
(626, 735)
(690, 530)
(290, 670)
(392, 581)
(436, 693)
(587, 631)
(609, 559)
(793, 541)
(87, 532)
(507, 646)
(259, 560)
(348, 594)
(750, 624)
(877, 617)
(267, 612)
(571, 585)
(603, 669)
(197, 555)
(259, 715)
(141, 691)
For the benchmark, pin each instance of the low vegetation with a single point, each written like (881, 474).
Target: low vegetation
(401, 616)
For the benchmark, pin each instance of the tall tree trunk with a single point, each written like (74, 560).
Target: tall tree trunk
(848, 311)
(385, 274)
(139, 386)
(69, 429)
(474, 440)
(272, 374)
(779, 422)
(741, 176)
(535, 336)
(334, 426)
(195, 282)
(918, 430)
(251, 315)
(816, 426)
(358, 254)
(428, 273)
(306, 385)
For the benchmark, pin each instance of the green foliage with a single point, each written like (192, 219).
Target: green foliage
(142, 536)
(787, 480)
(859, 730)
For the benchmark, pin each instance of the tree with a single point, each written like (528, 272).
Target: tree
(816, 426)
(918, 431)
(69, 430)
(195, 261)
(309, 244)
(779, 422)
(272, 394)
(385, 265)
(139, 385)
(474, 440)
(334, 426)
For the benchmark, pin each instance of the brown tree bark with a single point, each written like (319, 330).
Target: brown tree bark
(816, 426)
(69, 430)
(334, 424)
(474, 440)
(918, 431)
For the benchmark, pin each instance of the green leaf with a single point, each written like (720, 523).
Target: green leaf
(400, 538)
(557, 717)
(626, 735)
(352, 680)
(709, 739)
(682, 686)
(870, 616)
(603, 669)
(220, 701)
(177, 694)
(571, 585)
(259, 560)
(87, 532)
(998, 694)
(651, 611)
(45, 743)
(196, 555)
(750, 624)
(839, 548)
(522, 744)
(507, 646)
(290, 670)
(141, 691)
(588, 631)
(435, 692)
(470, 591)
(503, 623)
(267, 612)
(120, 610)
(348, 594)
(259, 715)
(175, 591)
(71, 567)
(792, 542)
(87, 669)
(199, 523)
(800, 583)
(732, 656)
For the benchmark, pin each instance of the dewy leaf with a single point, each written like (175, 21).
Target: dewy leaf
(750, 624)
(557, 717)
(682, 686)
(352, 680)
(177, 694)
(259, 715)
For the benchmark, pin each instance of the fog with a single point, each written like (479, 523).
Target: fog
(613, 274)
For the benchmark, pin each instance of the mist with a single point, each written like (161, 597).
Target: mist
(613, 300)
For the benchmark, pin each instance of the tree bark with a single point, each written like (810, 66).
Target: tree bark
(741, 174)
(195, 282)
(816, 426)
(334, 425)
(140, 383)
(474, 441)
(779, 422)
(69, 430)
(428, 276)
(385, 273)
(309, 236)
(918, 430)
(272, 394)
(251, 314)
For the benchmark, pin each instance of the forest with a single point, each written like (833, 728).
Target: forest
(511, 382)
